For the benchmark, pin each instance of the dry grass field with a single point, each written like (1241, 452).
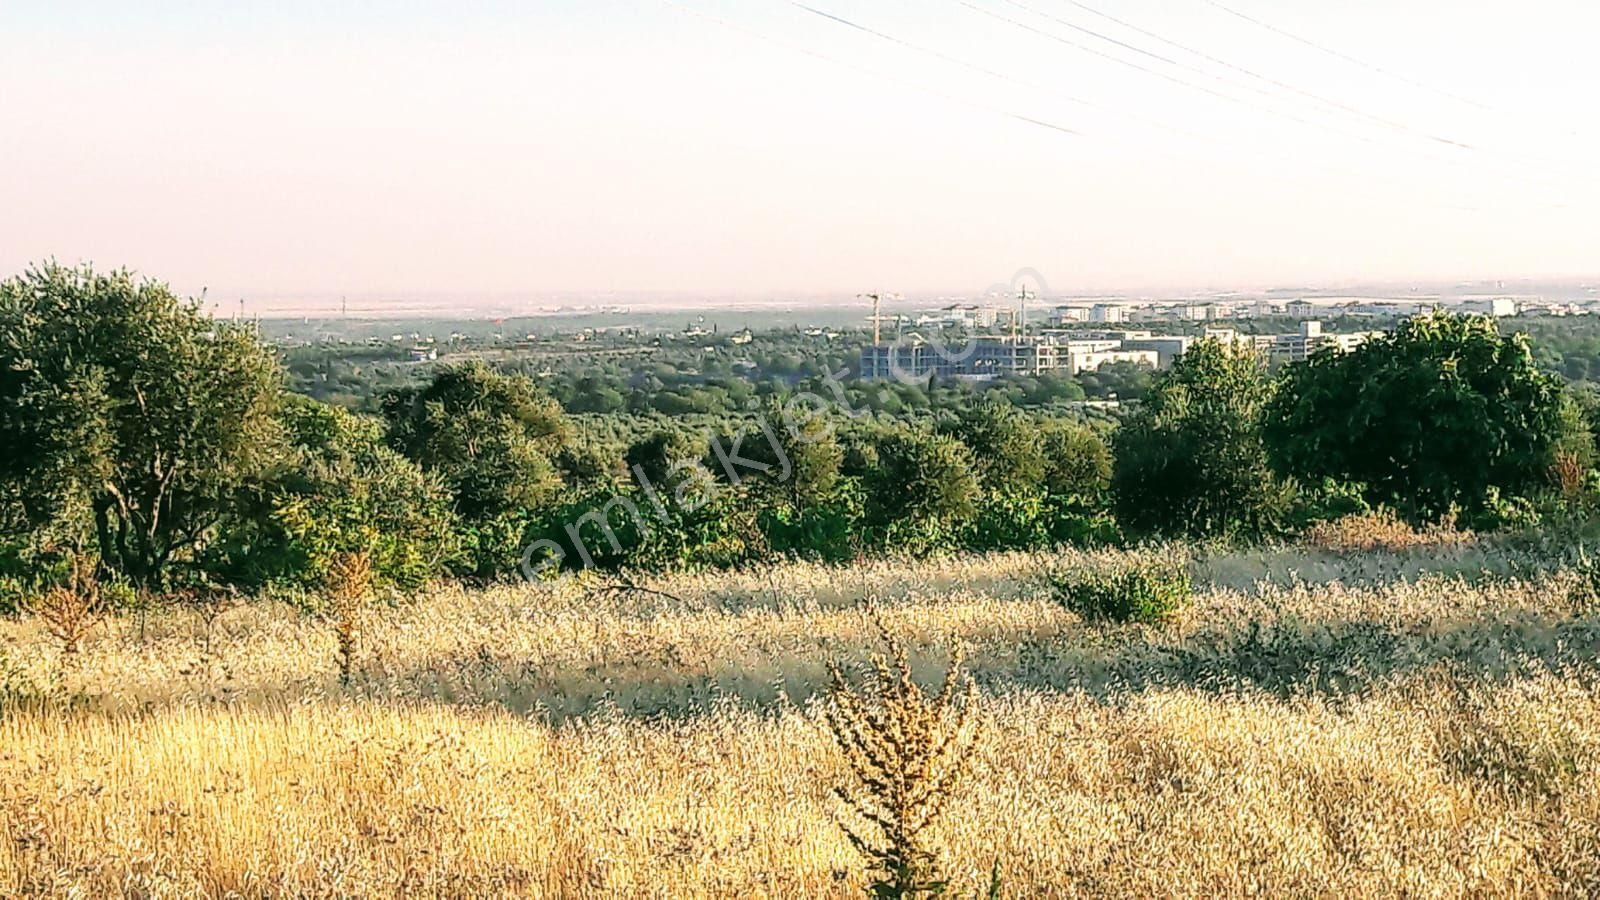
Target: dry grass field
(1423, 723)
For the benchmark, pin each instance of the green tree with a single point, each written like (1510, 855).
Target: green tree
(1432, 416)
(925, 485)
(1077, 462)
(809, 447)
(1191, 460)
(120, 399)
(1122, 380)
(489, 436)
(667, 459)
(1004, 443)
(341, 490)
(808, 508)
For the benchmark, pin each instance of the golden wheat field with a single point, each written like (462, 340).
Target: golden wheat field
(1420, 724)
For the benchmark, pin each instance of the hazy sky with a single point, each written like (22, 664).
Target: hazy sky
(645, 145)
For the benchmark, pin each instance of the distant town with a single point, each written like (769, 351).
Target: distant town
(1067, 343)
(961, 340)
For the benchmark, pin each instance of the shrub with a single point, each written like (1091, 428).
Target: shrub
(824, 531)
(1325, 500)
(1190, 460)
(71, 610)
(1147, 591)
(1504, 512)
(489, 438)
(1379, 530)
(923, 488)
(1427, 418)
(340, 490)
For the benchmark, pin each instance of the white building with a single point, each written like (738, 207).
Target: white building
(1089, 344)
(1108, 312)
(1090, 360)
(1499, 307)
(1311, 338)
(1166, 347)
(1065, 314)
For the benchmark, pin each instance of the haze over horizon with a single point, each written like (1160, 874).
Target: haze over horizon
(756, 149)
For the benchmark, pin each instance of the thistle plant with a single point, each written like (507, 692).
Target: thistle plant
(72, 609)
(348, 585)
(906, 751)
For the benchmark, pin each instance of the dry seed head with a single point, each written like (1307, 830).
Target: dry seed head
(906, 752)
(71, 610)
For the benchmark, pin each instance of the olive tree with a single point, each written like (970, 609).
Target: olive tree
(129, 409)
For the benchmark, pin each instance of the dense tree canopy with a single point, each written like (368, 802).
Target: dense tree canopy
(490, 436)
(1191, 460)
(1005, 444)
(1077, 462)
(136, 427)
(338, 489)
(129, 410)
(924, 482)
(1431, 416)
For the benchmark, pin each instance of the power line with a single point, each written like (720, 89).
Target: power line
(1521, 159)
(1532, 177)
(1009, 113)
(1339, 54)
(1166, 126)
(1388, 123)
(1031, 120)
(992, 73)
(1115, 110)
(1533, 162)
(1282, 85)
(1165, 76)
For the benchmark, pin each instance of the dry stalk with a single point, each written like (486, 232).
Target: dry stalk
(348, 586)
(71, 610)
(906, 752)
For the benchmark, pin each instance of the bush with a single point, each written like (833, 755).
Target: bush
(922, 491)
(823, 531)
(1380, 530)
(340, 491)
(1147, 591)
(1504, 512)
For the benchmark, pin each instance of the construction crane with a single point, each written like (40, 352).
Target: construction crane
(1023, 295)
(877, 316)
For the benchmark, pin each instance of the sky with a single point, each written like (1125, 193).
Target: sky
(762, 148)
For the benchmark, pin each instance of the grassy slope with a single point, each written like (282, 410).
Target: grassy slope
(1313, 724)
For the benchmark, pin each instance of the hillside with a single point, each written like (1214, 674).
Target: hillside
(1313, 722)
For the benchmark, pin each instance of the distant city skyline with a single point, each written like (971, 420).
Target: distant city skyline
(758, 150)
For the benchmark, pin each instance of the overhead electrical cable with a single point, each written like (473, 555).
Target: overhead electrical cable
(1398, 126)
(1529, 171)
(1113, 110)
(990, 72)
(1157, 73)
(1339, 54)
(1267, 79)
(718, 20)
(1002, 76)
